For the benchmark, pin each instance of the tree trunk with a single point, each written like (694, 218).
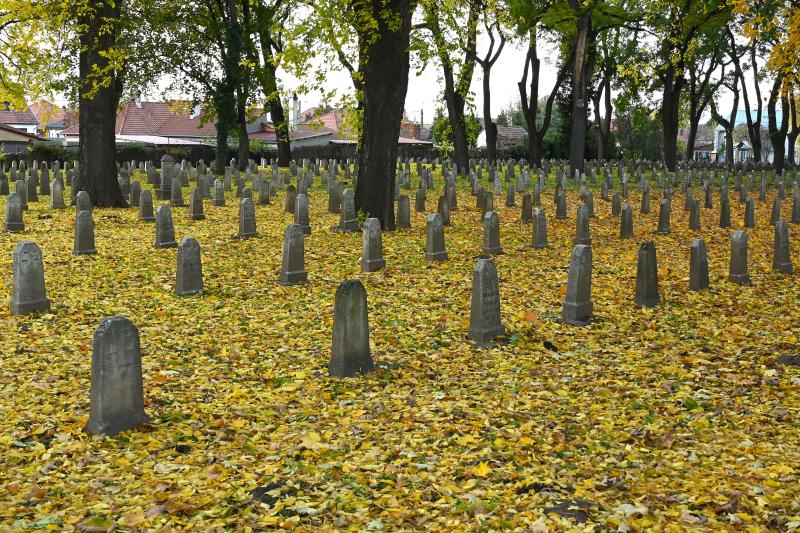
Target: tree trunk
(224, 102)
(581, 73)
(97, 105)
(777, 133)
(281, 126)
(385, 49)
(669, 117)
(244, 137)
(794, 132)
(489, 125)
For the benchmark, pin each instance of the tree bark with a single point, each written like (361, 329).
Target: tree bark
(777, 133)
(794, 132)
(385, 65)
(581, 73)
(728, 124)
(603, 125)
(486, 64)
(97, 106)
(673, 83)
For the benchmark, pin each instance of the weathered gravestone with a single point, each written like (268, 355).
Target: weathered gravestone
(444, 210)
(348, 221)
(29, 293)
(698, 266)
(577, 309)
(738, 272)
(291, 198)
(196, 205)
(419, 201)
(561, 206)
(372, 246)
(491, 233)
(57, 196)
(582, 234)
(83, 243)
(350, 354)
(647, 276)
(694, 215)
(775, 215)
(165, 230)
(219, 193)
(781, 256)
(82, 202)
(749, 214)
(527, 208)
(293, 266)
(626, 222)
(724, 212)
(403, 212)
(539, 239)
(189, 270)
(146, 206)
(664, 218)
(14, 221)
(247, 219)
(484, 317)
(117, 394)
(434, 239)
(301, 213)
(136, 193)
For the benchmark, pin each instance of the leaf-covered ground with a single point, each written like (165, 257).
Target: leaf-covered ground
(672, 418)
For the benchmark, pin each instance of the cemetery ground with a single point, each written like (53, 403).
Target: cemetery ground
(678, 416)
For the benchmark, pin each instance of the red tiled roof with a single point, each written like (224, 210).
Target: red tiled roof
(16, 116)
(50, 113)
(165, 119)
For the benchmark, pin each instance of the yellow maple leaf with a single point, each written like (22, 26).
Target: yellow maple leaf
(482, 470)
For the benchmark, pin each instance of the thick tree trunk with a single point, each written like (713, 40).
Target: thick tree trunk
(777, 132)
(581, 73)
(244, 137)
(455, 113)
(97, 104)
(669, 117)
(489, 125)
(691, 139)
(794, 132)
(224, 101)
(385, 75)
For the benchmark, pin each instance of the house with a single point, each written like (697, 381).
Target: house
(704, 143)
(164, 124)
(14, 140)
(507, 136)
(743, 151)
(20, 119)
(52, 119)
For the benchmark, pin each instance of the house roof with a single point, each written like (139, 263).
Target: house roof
(16, 116)
(7, 131)
(51, 116)
(163, 119)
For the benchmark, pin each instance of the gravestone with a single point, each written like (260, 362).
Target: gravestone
(57, 196)
(31, 184)
(82, 202)
(626, 222)
(749, 214)
(189, 270)
(301, 213)
(582, 233)
(146, 206)
(781, 257)
(738, 272)
(796, 209)
(724, 212)
(419, 200)
(577, 309)
(348, 221)
(350, 354)
(616, 205)
(219, 193)
(136, 192)
(644, 208)
(247, 219)
(117, 394)
(539, 239)
(29, 294)
(372, 258)
(165, 230)
(511, 201)
(664, 218)
(14, 221)
(491, 233)
(444, 210)
(264, 193)
(484, 317)
(698, 266)
(647, 276)
(403, 212)
(561, 206)
(527, 208)
(694, 215)
(83, 243)
(291, 198)
(293, 266)
(196, 205)
(775, 215)
(434, 239)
